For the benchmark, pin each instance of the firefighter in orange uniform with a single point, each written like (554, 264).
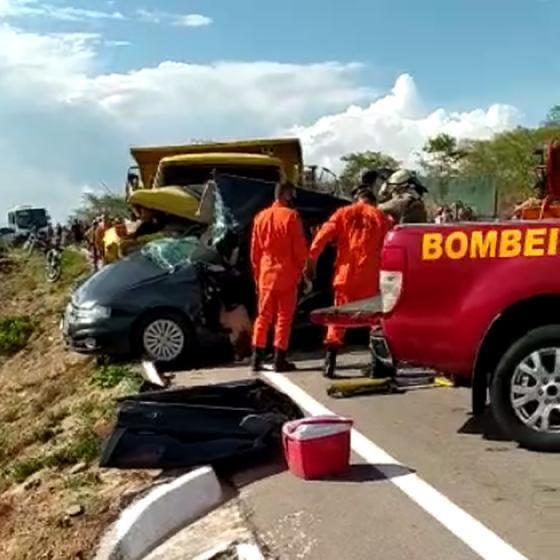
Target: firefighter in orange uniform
(278, 256)
(357, 231)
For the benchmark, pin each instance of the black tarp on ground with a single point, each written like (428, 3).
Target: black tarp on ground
(186, 427)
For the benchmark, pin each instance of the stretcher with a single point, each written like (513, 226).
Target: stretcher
(357, 314)
(403, 382)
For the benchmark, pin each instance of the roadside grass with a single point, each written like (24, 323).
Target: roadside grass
(56, 408)
(83, 447)
(69, 433)
(110, 376)
(81, 480)
(15, 332)
(74, 266)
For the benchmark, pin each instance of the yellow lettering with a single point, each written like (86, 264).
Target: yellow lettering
(456, 245)
(510, 243)
(483, 244)
(534, 242)
(553, 242)
(432, 246)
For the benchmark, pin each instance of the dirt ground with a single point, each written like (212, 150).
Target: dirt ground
(54, 501)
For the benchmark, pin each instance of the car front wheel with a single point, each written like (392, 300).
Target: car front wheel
(525, 390)
(163, 337)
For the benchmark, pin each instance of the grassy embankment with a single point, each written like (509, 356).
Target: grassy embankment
(55, 409)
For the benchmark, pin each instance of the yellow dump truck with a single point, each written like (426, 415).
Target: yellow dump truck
(194, 164)
(169, 179)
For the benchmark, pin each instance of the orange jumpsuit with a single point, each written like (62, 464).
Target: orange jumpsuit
(358, 232)
(99, 240)
(278, 255)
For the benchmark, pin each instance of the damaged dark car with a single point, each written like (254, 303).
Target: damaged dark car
(177, 297)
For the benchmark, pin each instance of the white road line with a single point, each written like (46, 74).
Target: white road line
(465, 527)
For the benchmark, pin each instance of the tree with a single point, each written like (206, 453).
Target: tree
(442, 155)
(95, 204)
(440, 160)
(552, 117)
(356, 163)
(509, 159)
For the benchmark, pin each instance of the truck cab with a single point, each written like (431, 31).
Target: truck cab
(194, 164)
(480, 301)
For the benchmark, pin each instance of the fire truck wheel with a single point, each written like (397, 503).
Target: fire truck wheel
(525, 390)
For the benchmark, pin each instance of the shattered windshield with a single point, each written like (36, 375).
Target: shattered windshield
(237, 200)
(170, 253)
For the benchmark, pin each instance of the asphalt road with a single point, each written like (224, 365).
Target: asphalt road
(458, 491)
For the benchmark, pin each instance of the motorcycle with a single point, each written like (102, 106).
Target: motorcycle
(52, 252)
(35, 240)
(53, 264)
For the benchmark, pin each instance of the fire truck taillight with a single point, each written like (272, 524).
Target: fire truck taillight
(391, 277)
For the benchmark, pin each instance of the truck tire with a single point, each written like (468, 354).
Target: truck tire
(479, 394)
(525, 390)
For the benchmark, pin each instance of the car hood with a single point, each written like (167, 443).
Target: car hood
(106, 284)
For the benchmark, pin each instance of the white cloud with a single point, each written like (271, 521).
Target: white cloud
(117, 43)
(398, 124)
(63, 124)
(68, 13)
(37, 8)
(179, 20)
(192, 20)
(150, 16)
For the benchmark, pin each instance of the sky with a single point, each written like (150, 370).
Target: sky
(83, 80)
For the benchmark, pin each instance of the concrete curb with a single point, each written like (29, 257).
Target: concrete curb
(166, 509)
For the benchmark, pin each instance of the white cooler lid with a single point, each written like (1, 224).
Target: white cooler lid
(317, 427)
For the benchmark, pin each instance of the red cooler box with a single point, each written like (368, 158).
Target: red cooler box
(317, 447)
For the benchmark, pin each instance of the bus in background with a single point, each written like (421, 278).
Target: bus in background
(25, 219)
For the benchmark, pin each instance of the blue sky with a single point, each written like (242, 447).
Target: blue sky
(362, 74)
(461, 52)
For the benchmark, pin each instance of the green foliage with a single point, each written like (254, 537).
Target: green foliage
(24, 468)
(74, 265)
(553, 117)
(84, 447)
(508, 158)
(356, 163)
(440, 161)
(442, 155)
(14, 334)
(110, 376)
(95, 204)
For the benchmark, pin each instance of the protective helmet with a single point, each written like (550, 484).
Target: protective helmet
(400, 177)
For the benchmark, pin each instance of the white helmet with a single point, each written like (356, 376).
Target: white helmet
(400, 177)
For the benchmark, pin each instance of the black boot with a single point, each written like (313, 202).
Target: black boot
(378, 370)
(330, 363)
(257, 360)
(281, 364)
